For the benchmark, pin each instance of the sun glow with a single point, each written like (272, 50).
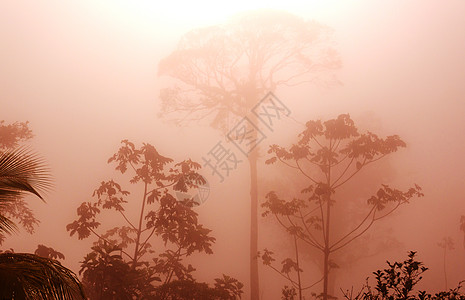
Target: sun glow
(179, 15)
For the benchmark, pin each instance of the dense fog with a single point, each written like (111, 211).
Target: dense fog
(87, 74)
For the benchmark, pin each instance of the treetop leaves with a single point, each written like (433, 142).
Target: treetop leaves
(386, 195)
(340, 128)
(163, 217)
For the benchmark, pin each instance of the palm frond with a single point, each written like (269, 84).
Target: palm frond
(28, 276)
(20, 171)
(23, 171)
(22, 275)
(6, 225)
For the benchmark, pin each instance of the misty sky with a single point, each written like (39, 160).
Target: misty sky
(84, 73)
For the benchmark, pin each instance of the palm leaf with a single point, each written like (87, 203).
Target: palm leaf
(6, 225)
(20, 171)
(22, 275)
(28, 276)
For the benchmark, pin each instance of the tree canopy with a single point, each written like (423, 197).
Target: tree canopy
(142, 256)
(328, 155)
(222, 71)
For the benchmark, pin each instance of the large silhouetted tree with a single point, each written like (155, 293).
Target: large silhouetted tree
(223, 71)
(329, 154)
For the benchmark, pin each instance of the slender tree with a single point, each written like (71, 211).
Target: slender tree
(447, 243)
(462, 228)
(124, 259)
(223, 71)
(329, 154)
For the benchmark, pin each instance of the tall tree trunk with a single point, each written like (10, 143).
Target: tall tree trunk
(327, 235)
(325, 273)
(139, 228)
(332, 281)
(327, 231)
(445, 269)
(298, 267)
(251, 97)
(254, 280)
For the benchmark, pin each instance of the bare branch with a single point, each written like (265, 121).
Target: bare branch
(356, 228)
(305, 174)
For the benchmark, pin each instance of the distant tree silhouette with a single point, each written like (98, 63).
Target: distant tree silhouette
(48, 252)
(447, 243)
(24, 275)
(122, 260)
(329, 154)
(398, 281)
(223, 71)
(462, 228)
(13, 134)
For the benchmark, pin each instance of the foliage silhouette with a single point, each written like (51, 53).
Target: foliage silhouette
(225, 288)
(223, 71)
(123, 261)
(20, 171)
(29, 276)
(48, 252)
(398, 281)
(328, 154)
(107, 276)
(23, 275)
(11, 135)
